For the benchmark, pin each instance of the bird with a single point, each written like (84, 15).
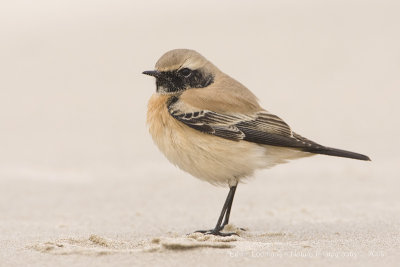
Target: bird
(213, 127)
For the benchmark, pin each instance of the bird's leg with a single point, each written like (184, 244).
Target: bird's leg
(226, 210)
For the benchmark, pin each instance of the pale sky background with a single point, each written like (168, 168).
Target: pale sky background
(73, 99)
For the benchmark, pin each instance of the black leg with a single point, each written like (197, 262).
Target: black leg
(226, 210)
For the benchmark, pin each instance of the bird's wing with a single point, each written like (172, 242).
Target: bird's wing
(262, 127)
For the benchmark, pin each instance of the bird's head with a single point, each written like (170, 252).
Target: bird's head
(182, 69)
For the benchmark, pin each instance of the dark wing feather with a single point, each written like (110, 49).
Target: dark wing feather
(262, 128)
(210, 122)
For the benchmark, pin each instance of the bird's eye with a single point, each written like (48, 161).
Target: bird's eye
(185, 72)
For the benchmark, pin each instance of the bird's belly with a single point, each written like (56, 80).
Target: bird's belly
(210, 158)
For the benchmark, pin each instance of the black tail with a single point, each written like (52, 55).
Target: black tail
(337, 153)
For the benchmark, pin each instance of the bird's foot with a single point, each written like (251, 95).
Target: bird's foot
(216, 232)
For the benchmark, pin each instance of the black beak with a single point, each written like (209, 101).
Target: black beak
(153, 73)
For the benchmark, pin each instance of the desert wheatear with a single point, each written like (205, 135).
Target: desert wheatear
(211, 126)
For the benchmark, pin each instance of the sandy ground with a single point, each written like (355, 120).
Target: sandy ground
(82, 184)
(309, 215)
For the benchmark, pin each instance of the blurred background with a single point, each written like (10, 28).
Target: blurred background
(73, 99)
